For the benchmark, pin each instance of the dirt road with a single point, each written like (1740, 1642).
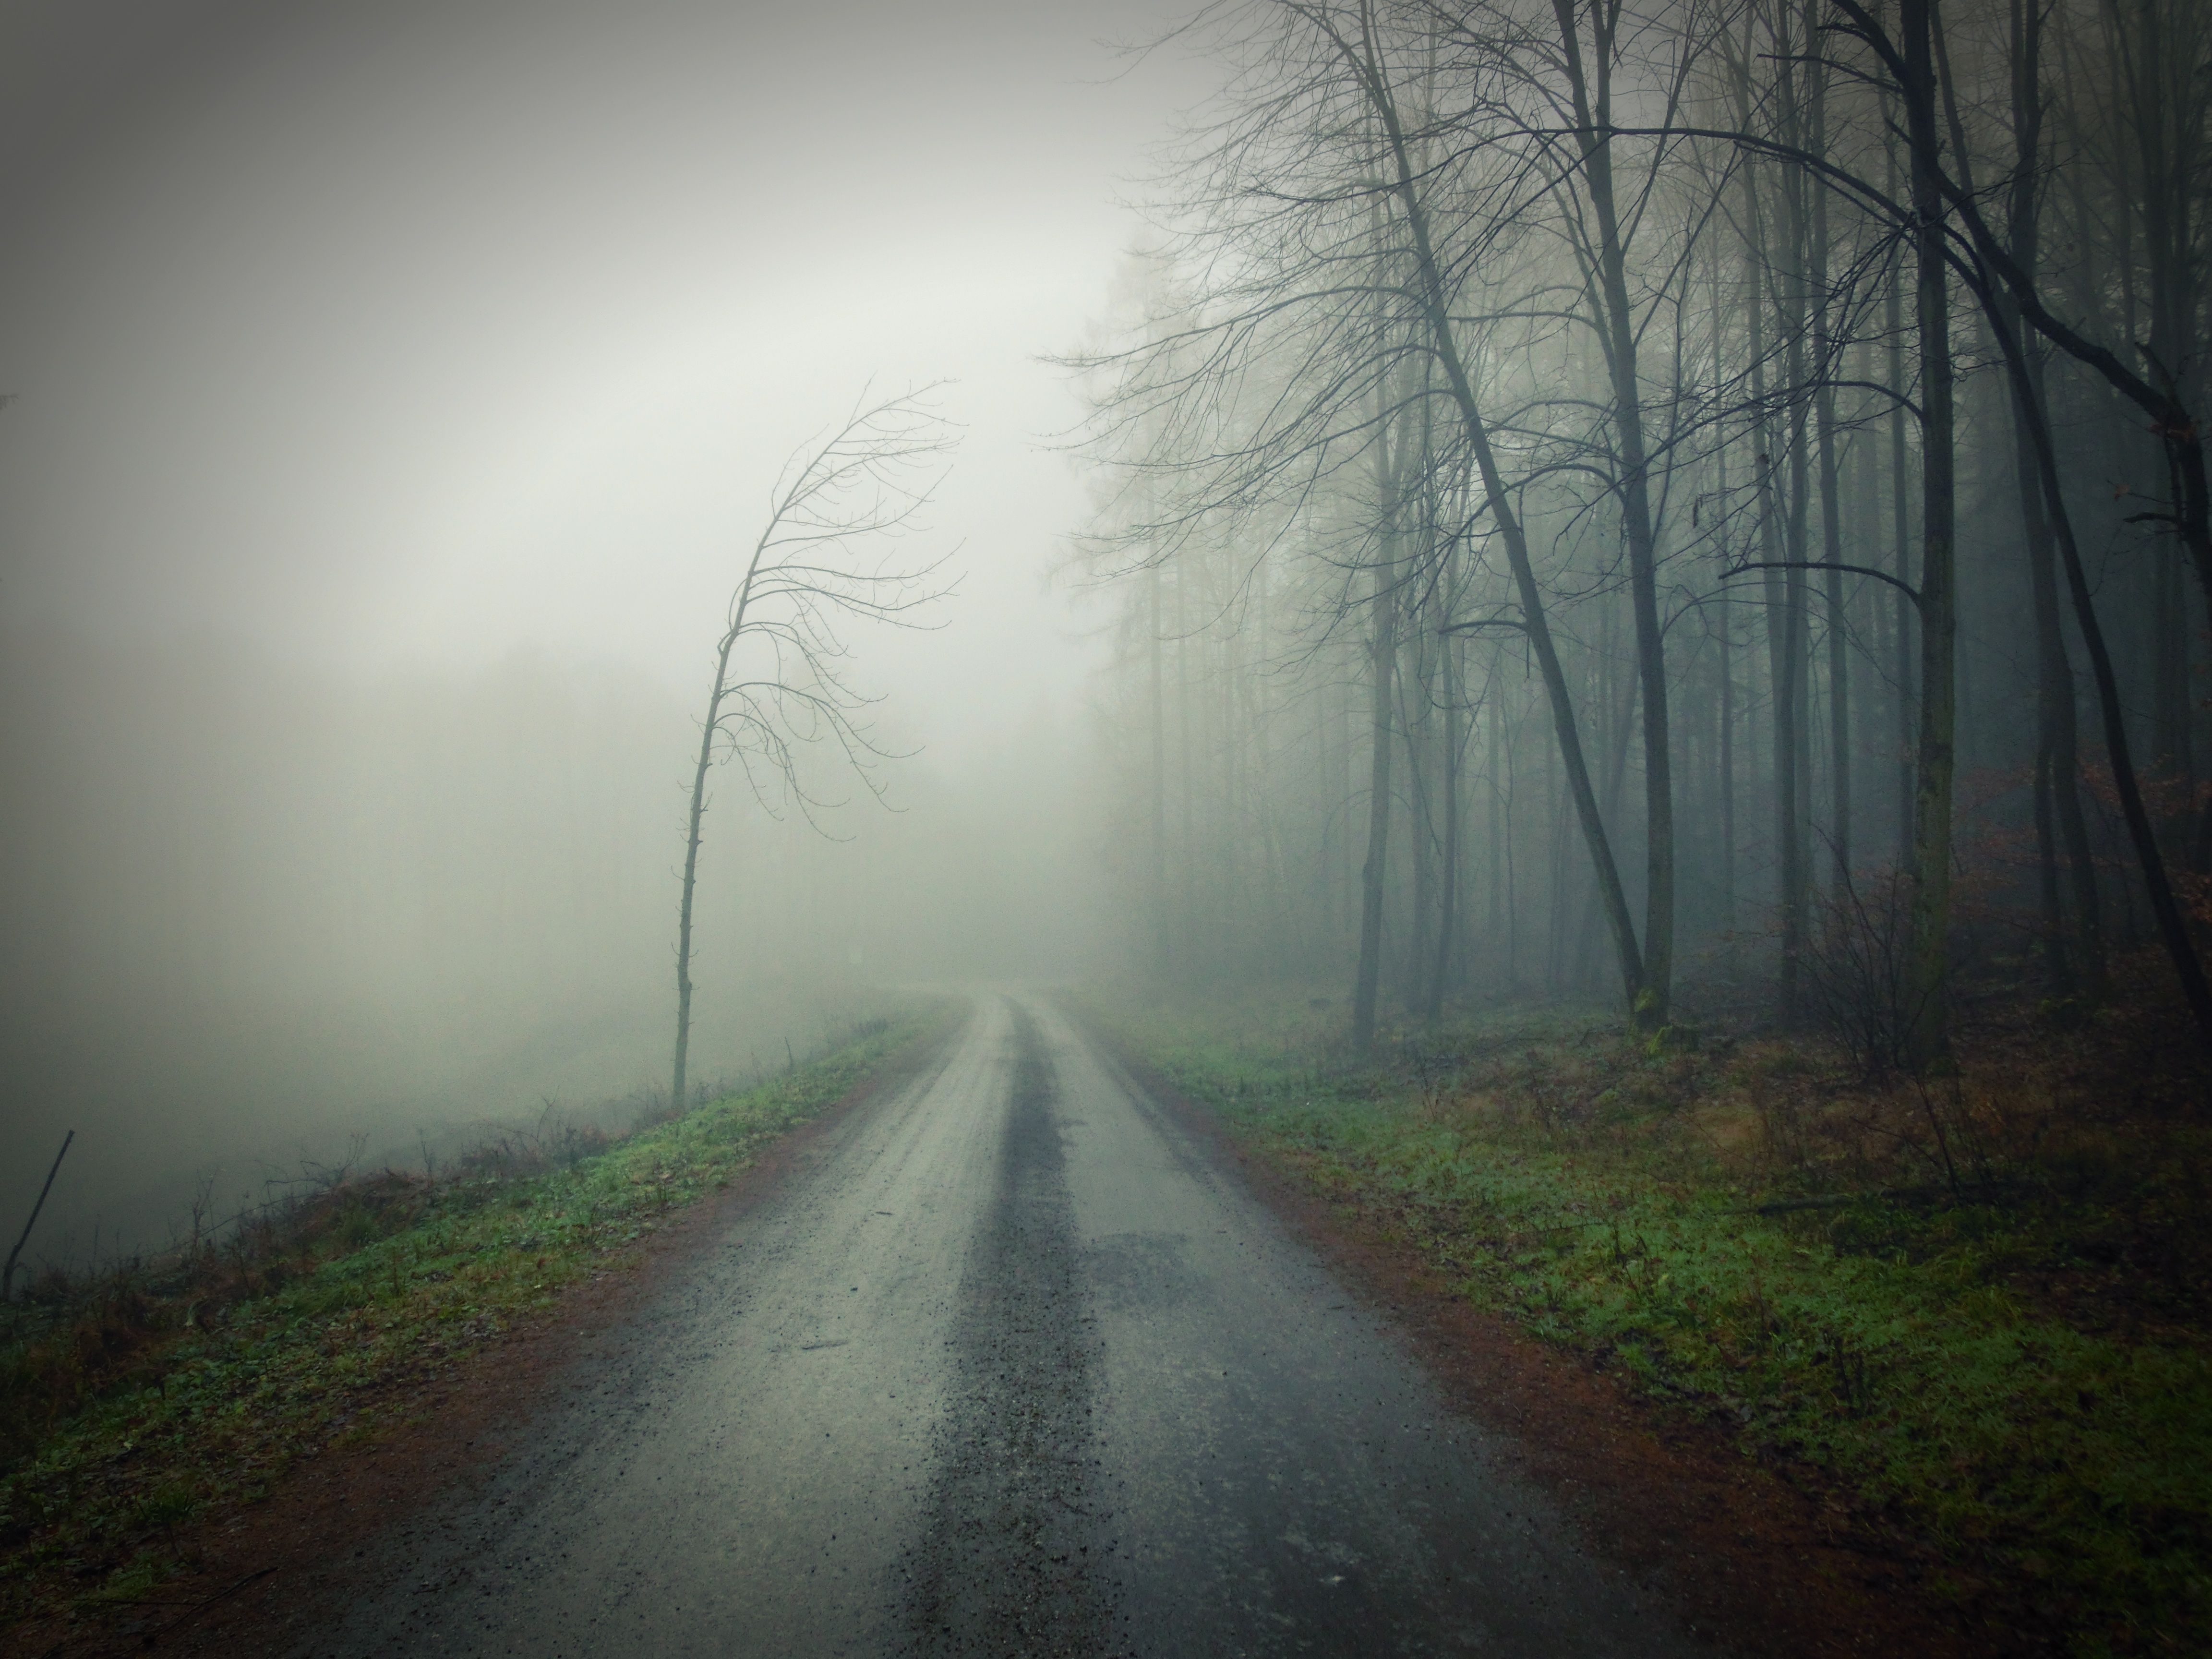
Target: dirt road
(1012, 1367)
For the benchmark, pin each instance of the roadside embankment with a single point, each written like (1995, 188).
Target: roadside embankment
(1968, 1317)
(142, 1409)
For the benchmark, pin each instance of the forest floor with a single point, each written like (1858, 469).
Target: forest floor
(1968, 1322)
(152, 1418)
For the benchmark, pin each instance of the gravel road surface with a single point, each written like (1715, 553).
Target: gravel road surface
(1011, 1366)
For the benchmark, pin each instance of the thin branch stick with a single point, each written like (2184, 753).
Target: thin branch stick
(8, 1273)
(1821, 564)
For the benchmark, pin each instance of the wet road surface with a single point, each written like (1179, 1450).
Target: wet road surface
(1011, 1367)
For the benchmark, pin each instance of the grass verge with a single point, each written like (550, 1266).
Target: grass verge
(1973, 1323)
(392, 1283)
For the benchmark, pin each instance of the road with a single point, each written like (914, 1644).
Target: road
(1011, 1367)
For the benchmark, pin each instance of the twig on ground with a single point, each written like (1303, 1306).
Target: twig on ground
(204, 1603)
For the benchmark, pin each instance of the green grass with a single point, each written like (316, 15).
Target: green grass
(362, 1340)
(1880, 1350)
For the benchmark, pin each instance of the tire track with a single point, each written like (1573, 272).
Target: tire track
(1005, 1565)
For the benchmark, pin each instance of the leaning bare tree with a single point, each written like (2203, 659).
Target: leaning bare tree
(780, 682)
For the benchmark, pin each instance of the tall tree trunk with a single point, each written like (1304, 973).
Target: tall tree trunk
(1903, 616)
(1430, 294)
(1504, 894)
(1593, 103)
(1783, 592)
(1447, 925)
(1161, 938)
(691, 838)
(692, 824)
(1832, 530)
(1793, 713)
(1927, 1033)
(1346, 871)
(2058, 815)
(1383, 669)
(1723, 642)
(1416, 708)
(1187, 815)
(1724, 712)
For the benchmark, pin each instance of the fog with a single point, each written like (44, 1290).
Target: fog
(395, 388)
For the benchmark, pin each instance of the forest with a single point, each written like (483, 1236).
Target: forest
(1700, 504)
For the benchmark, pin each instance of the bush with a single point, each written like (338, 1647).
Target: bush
(1856, 969)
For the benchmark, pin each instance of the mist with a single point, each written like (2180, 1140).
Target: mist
(395, 392)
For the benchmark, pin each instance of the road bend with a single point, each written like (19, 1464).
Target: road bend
(1011, 1367)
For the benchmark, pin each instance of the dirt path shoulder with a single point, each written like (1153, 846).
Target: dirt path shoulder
(265, 1577)
(1757, 1566)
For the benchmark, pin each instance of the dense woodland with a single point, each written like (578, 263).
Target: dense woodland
(1703, 497)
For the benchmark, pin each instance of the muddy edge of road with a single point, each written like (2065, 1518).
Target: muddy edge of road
(267, 1574)
(1757, 1563)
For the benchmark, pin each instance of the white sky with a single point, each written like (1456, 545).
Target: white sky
(412, 332)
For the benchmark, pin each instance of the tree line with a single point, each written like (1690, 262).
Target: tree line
(1588, 488)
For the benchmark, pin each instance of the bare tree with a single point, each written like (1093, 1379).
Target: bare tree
(7, 1272)
(781, 683)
